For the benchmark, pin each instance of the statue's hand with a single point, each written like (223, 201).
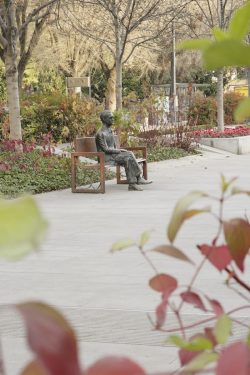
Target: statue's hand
(122, 150)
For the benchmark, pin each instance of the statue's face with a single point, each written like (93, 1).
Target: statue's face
(108, 118)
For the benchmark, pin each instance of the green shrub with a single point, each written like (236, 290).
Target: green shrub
(126, 126)
(231, 102)
(64, 117)
(203, 110)
(50, 81)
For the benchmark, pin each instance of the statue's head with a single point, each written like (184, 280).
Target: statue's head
(107, 117)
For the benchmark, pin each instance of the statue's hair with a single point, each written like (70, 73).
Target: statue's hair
(104, 114)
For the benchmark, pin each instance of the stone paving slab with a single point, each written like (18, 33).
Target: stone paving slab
(105, 296)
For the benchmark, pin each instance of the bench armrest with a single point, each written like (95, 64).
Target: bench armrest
(99, 155)
(139, 148)
(84, 153)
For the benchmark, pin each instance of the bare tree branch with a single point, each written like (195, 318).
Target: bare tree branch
(35, 12)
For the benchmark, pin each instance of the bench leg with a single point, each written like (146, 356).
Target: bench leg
(101, 189)
(145, 170)
(73, 174)
(102, 177)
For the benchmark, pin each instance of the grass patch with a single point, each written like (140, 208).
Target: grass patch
(159, 153)
(33, 173)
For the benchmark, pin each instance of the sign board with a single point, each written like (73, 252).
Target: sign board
(78, 82)
(243, 90)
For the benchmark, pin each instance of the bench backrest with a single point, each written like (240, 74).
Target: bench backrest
(87, 144)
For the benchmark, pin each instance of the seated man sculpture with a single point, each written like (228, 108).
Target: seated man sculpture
(105, 142)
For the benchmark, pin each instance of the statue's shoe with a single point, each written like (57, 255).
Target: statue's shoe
(134, 187)
(142, 181)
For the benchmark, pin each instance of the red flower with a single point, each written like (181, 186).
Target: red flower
(238, 131)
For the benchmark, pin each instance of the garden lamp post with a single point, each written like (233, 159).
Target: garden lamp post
(173, 76)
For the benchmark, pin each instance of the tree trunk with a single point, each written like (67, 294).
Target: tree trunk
(13, 97)
(220, 101)
(21, 70)
(110, 93)
(118, 67)
(118, 84)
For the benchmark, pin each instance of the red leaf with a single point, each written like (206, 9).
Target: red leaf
(51, 338)
(193, 299)
(186, 356)
(209, 334)
(219, 256)
(216, 306)
(4, 167)
(234, 360)
(161, 311)
(115, 366)
(33, 368)
(163, 283)
(237, 235)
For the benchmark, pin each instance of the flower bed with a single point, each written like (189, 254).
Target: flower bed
(235, 140)
(238, 131)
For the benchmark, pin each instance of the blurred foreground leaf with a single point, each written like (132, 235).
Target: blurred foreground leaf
(196, 344)
(201, 361)
(226, 53)
(240, 23)
(22, 227)
(242, 112)
(115, 366)
(223, 329)
(51, 339)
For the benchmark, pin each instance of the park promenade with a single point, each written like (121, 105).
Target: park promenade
(106, 296)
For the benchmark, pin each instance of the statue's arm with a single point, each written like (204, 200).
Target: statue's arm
(100, 139)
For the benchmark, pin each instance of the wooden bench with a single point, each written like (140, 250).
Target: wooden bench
(86, 147)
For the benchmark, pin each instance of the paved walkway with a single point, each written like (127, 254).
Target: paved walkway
(106, 296)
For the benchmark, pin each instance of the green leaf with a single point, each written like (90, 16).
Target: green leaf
(195, 345)
(177, 341)
(144, 238)
(225, 184)
(190, 213)
(22, 227)
(226, 53)
(171, 251)
(201, 361)
(222, 329)
(122, 244)
(180, 213)
(195, 44)
(219, 34)
(240, 23)
(236, 190)
(242, 112)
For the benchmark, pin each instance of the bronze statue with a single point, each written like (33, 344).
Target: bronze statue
(105, 142)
